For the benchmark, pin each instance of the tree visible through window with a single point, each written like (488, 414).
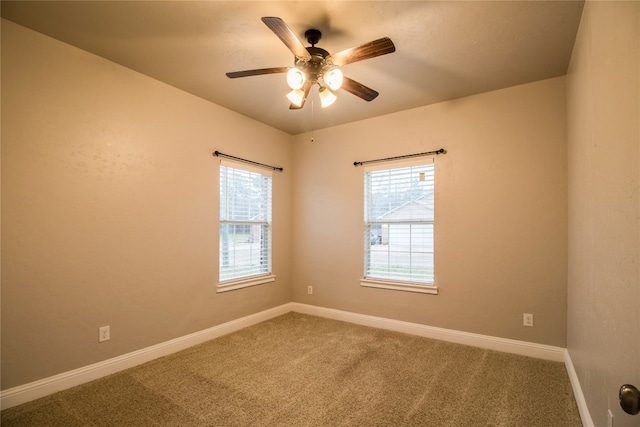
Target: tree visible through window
(399, 218)
(245, 223)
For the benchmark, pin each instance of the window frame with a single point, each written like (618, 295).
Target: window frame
(240, 282)
(394, 283)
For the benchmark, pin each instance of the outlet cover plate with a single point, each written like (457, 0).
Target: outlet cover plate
(104, 334)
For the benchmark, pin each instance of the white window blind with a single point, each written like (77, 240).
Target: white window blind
(399, 218)
(245, 222)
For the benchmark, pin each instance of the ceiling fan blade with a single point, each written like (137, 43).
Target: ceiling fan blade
(369, 50)
(287, 36)
(358, 89)
(306, 89)
(258, 72)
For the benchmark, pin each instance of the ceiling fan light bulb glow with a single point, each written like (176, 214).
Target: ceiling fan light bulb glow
(327, 98)
(296, 97)
(333, 78)
(295, 78)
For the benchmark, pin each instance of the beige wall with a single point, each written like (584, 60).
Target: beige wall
(501, 217)
(603, 97)
(109, 209)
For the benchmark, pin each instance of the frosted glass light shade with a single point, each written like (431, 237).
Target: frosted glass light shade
(327, 98)
(333, 78)
(296, 97)
(295, 78)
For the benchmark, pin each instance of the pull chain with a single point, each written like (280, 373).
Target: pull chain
(312, 112)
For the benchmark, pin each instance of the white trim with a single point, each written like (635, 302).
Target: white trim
(539, 351)
(399, 286)
(46, 386)
(585, 416)
(231, 285)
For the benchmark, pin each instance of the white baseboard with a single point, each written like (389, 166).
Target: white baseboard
(539, 351)
(44, 387)
(577, 391)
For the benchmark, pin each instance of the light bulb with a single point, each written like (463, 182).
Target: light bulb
(333, 78)
(327, 98)
(296, 97)
(295, 78)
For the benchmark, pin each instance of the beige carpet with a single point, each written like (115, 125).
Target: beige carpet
(299, 370)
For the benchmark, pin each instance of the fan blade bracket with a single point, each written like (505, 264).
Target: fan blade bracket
(287, 36)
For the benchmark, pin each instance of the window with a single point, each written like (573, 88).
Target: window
(398, 226)
(245, 226)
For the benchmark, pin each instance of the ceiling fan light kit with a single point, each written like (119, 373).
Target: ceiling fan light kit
(296, 97)
(315, 66)
(295, 78)
(333, 78)
(327, 98)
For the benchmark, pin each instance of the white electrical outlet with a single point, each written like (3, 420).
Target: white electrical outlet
(309, 289)
(610, 419)
(527, 319)
(104, 334)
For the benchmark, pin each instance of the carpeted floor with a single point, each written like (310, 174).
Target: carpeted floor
(299, 370)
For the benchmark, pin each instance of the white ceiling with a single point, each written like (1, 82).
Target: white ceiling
(444, 49)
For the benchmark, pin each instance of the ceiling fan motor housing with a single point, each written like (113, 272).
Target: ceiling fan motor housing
(316, 66)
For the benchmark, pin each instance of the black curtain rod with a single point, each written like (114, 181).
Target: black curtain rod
(219, 154)
(428, 153)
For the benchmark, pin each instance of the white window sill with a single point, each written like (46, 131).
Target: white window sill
(245, 282)
(399, 286)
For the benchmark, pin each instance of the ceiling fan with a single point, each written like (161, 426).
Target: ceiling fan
(313, 65)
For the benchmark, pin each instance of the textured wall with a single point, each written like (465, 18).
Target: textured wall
(500, 212)
(110, 207)
(603, 99)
